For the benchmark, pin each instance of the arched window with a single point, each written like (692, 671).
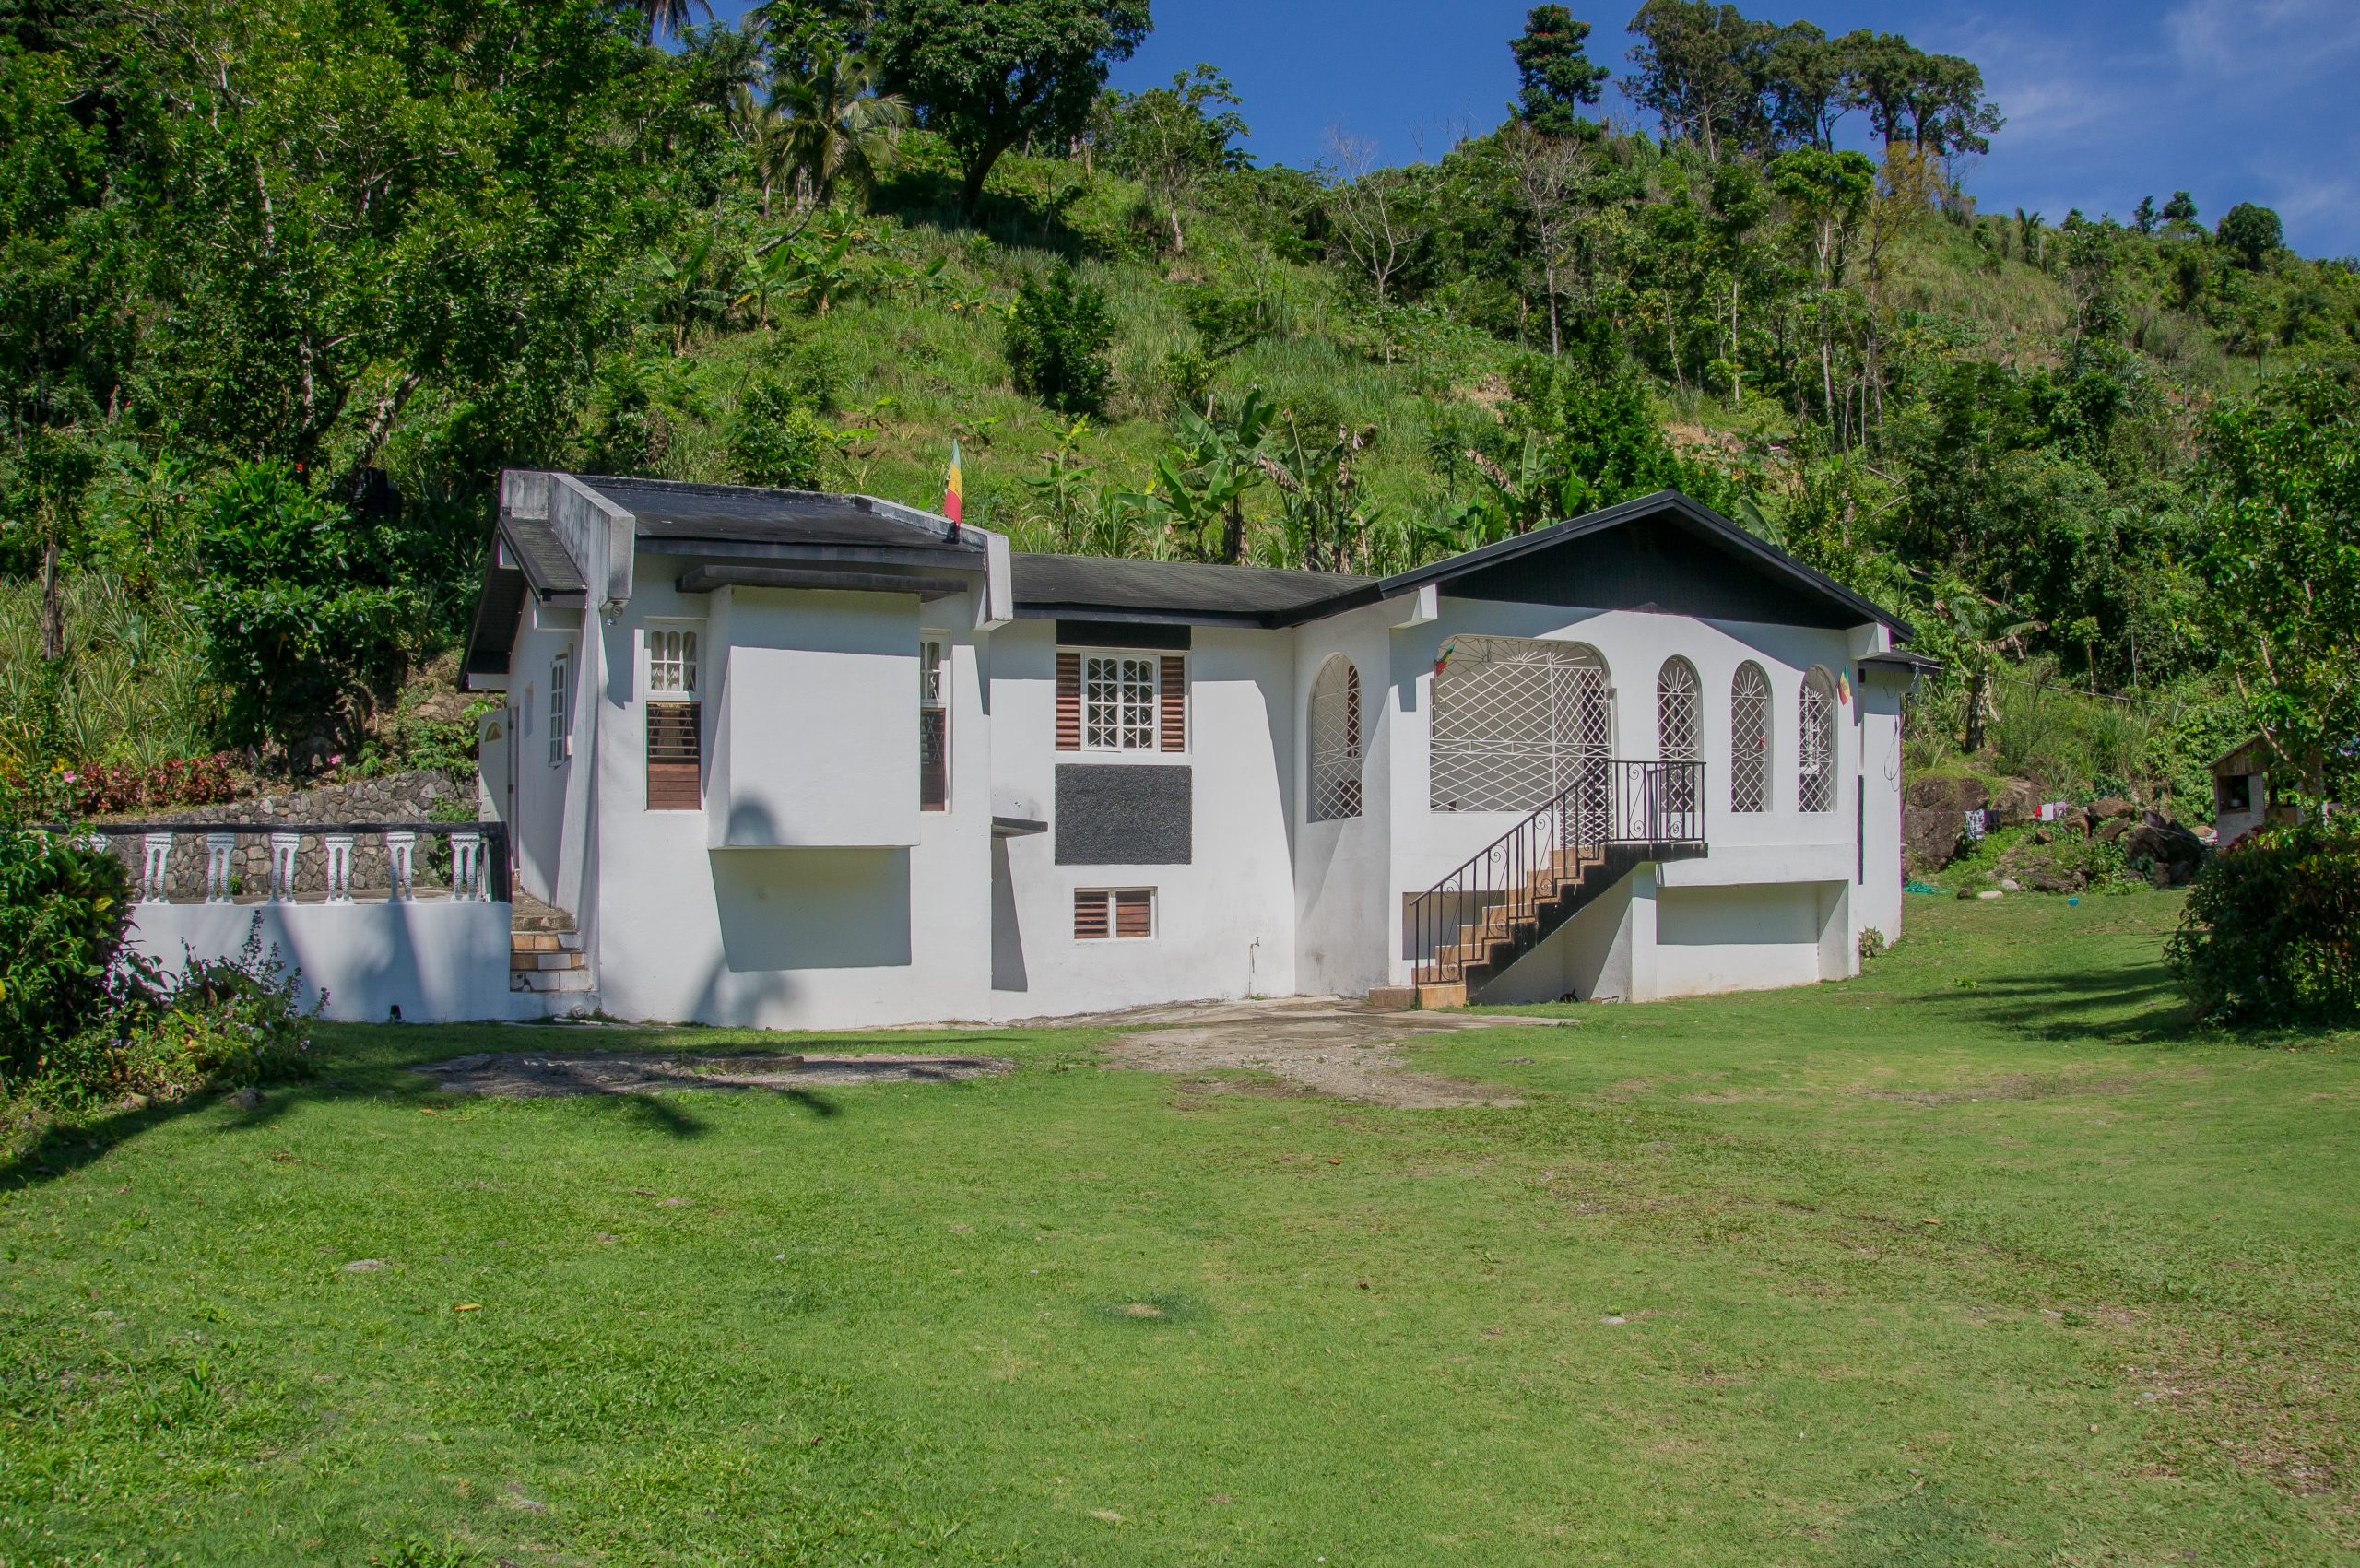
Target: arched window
(1517, 721)
(1816, 785)
(1334, 727)
(1680, 713)
(1749, 740)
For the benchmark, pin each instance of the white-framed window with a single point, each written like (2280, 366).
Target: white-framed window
(675, 718)
(1120, 915)
(1815, 788)
(1333, 722)
(560, 707)
(934, 724)
(1749, 740)
(672, 664)
(1119, 702)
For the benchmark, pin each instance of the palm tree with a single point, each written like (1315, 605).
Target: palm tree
(826, 124)
(670, 15)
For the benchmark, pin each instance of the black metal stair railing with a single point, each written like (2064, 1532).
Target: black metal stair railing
(1498, 898)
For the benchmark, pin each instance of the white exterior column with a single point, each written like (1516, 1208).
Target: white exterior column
(1639, 931)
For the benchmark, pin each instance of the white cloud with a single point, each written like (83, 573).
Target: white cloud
(2245, 38)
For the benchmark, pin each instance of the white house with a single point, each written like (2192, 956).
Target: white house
(803, 759)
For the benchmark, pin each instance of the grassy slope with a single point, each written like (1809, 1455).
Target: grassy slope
(890, 1324)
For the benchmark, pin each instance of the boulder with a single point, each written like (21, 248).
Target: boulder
(2073, 819)
(2106, 832)
(1929, 836)
(2018, 800)
(2111, 808)
(2175, 855)
(1941, 792)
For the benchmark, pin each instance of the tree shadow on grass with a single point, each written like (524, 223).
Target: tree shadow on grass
(2116, 1005)
(373, 1073)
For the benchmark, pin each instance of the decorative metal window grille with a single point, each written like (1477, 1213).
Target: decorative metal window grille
(1118, 705)
(934, 727)
(671, 662)
(1817, 784)
(1749, 740)
(560, 708)
(1334, 722)
(1680, 721)
(1516, 721)
(1680, 713)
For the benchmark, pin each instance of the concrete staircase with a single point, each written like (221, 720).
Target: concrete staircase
(1485, 948)
(545, 950)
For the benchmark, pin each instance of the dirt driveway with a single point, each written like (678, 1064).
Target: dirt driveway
(1323, 1043)
(527, 1075)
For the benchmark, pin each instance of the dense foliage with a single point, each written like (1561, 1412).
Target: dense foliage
(64, 911)
(286, 286)
(2272, 932)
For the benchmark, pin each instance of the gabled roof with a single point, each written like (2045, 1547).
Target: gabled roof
(1709, 560)
(1118, 588)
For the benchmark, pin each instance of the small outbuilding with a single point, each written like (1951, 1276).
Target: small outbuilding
(2241, 793)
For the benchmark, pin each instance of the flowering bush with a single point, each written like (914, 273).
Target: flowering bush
(99, 790)
(229, 1022)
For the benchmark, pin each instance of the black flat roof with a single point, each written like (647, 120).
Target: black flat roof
(671, 510)
(1118, 588)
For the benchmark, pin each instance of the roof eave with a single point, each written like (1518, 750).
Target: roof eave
(1441, 573)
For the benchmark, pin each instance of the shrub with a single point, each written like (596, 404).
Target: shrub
(229, 1022)
(1057, 339)
(2271, 931)
(304, 624)
(100, 790)
(1873, 943)
(65, 908)
(775, 441)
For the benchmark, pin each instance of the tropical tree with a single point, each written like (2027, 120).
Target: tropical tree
(2281, 569)
(990, 75)
(669, 16)
(2253, 233)
(1172, 137)
(1558, 77)
(826, 124)
(1205, 478)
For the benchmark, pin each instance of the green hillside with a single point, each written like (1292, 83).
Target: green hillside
(264, 350)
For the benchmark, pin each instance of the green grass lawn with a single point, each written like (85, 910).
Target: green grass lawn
(1980, 1258)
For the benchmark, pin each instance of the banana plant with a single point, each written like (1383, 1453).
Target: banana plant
(1204, 479)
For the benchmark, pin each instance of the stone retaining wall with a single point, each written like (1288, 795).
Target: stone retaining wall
(396, 798)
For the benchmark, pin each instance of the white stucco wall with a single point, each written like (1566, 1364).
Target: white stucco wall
(439, 960)
(1783, 844)
(812, 715)
(797, 936)
(1343, 869)
(1224, 921)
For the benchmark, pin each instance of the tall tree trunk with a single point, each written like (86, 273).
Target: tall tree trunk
(1736, 373)
(1179, 241)
(1232, 533)
(53, 605)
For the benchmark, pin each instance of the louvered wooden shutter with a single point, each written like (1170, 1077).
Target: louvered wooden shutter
(1089, 916)
(675, 755)
(1068, 701)
(1173, 691)
(1134, 913)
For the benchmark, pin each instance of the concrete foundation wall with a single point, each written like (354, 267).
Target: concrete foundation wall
(439, 960)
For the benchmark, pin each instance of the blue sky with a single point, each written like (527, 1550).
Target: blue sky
(2230, 99)
(2107, 100)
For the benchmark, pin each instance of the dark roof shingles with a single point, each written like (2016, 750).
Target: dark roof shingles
(1047, 583)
